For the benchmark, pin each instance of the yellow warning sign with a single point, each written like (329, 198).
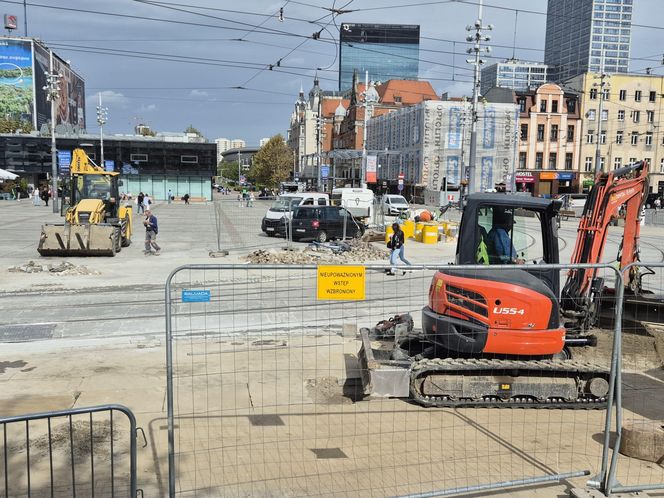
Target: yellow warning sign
(341, 283)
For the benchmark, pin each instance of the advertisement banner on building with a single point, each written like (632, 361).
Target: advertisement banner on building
(71, 104)
(489, 135)
(16, 80)
(454, 135)
(452, 169)
(42, 106)
(371, 169)
(324, 170)
(486, 178)
(525, 177)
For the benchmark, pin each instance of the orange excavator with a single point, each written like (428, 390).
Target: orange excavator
(502, 336)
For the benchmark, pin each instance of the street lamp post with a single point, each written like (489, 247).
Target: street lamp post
(52, 90)
(102, 118)
(477, 38)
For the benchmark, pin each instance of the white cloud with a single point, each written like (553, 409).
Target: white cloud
(148, 108)
(198, 93)
(109, 97)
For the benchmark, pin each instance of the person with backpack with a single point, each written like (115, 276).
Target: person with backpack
(396, 244)
(151, 231)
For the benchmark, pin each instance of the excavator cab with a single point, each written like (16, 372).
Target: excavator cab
(497, 229)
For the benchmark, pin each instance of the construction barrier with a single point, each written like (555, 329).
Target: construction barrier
(81, 451)
(265, 394)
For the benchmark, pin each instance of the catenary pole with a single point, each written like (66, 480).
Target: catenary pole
(477, 38)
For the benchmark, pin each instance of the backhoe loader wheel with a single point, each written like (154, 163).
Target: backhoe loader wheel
(117, 241)
(126, 241)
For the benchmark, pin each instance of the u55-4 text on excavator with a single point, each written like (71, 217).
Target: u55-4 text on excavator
(96, 224)
(501, 337)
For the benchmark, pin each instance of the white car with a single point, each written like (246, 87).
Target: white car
(394, 204)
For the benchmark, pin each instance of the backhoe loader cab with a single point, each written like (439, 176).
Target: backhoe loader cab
(96, 224)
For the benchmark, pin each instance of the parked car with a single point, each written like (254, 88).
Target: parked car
(323, 223)
(394, 205)
(276, 219)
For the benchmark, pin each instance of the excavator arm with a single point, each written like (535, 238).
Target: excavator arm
(622, 190)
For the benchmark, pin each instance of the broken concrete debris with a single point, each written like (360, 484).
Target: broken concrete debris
(343, 252)
(63, 268)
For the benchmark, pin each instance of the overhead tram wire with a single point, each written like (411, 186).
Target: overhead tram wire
(278, 63)
(177, 60)
(154, 19)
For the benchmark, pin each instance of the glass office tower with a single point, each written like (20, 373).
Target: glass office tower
(580, 32)
(387, 51)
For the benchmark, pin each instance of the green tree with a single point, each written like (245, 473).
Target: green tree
(229, 170)
(191, 129)
(273, 163)
(11, 125)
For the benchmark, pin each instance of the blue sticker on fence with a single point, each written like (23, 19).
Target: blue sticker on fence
(195, 296)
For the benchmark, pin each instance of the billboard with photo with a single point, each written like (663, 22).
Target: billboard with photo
(16, 80)
(71, 104)
(42, 106)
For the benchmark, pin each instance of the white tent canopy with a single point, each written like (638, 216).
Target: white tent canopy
(6, 175)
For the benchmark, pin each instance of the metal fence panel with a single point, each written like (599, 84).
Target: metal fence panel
(639, 426)
(78, 452)
(265, 397)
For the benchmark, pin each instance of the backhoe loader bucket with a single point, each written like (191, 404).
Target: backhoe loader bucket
(79, 240)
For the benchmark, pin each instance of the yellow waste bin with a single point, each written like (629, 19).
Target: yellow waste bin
(418, 231)
(430, 233)
(408, 228)
(388, 233)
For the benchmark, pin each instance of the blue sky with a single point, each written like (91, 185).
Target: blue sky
(198, 58)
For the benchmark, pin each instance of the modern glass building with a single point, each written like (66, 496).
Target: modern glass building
(579, 33)
(514, 74)
(387, 51)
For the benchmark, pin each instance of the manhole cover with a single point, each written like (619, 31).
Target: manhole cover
(26, 333)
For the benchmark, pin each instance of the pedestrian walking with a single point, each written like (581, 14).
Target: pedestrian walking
(396, 244)
(45, 195)
(139, 201)
(151, 231)
(146, 202)
(185, 197)
(170, 196)
(251, 200)
(36, 200)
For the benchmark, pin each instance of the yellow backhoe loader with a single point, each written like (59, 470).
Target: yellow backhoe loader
(96, 224)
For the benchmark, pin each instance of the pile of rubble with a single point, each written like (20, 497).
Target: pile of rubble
(332, 253)
(63, 268)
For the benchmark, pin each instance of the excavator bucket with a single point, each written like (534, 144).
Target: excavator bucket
(79, 240)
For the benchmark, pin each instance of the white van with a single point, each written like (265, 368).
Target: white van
(394, 204)
(274, 221)
(357, 201)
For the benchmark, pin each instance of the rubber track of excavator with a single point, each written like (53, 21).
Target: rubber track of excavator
(543, 368)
